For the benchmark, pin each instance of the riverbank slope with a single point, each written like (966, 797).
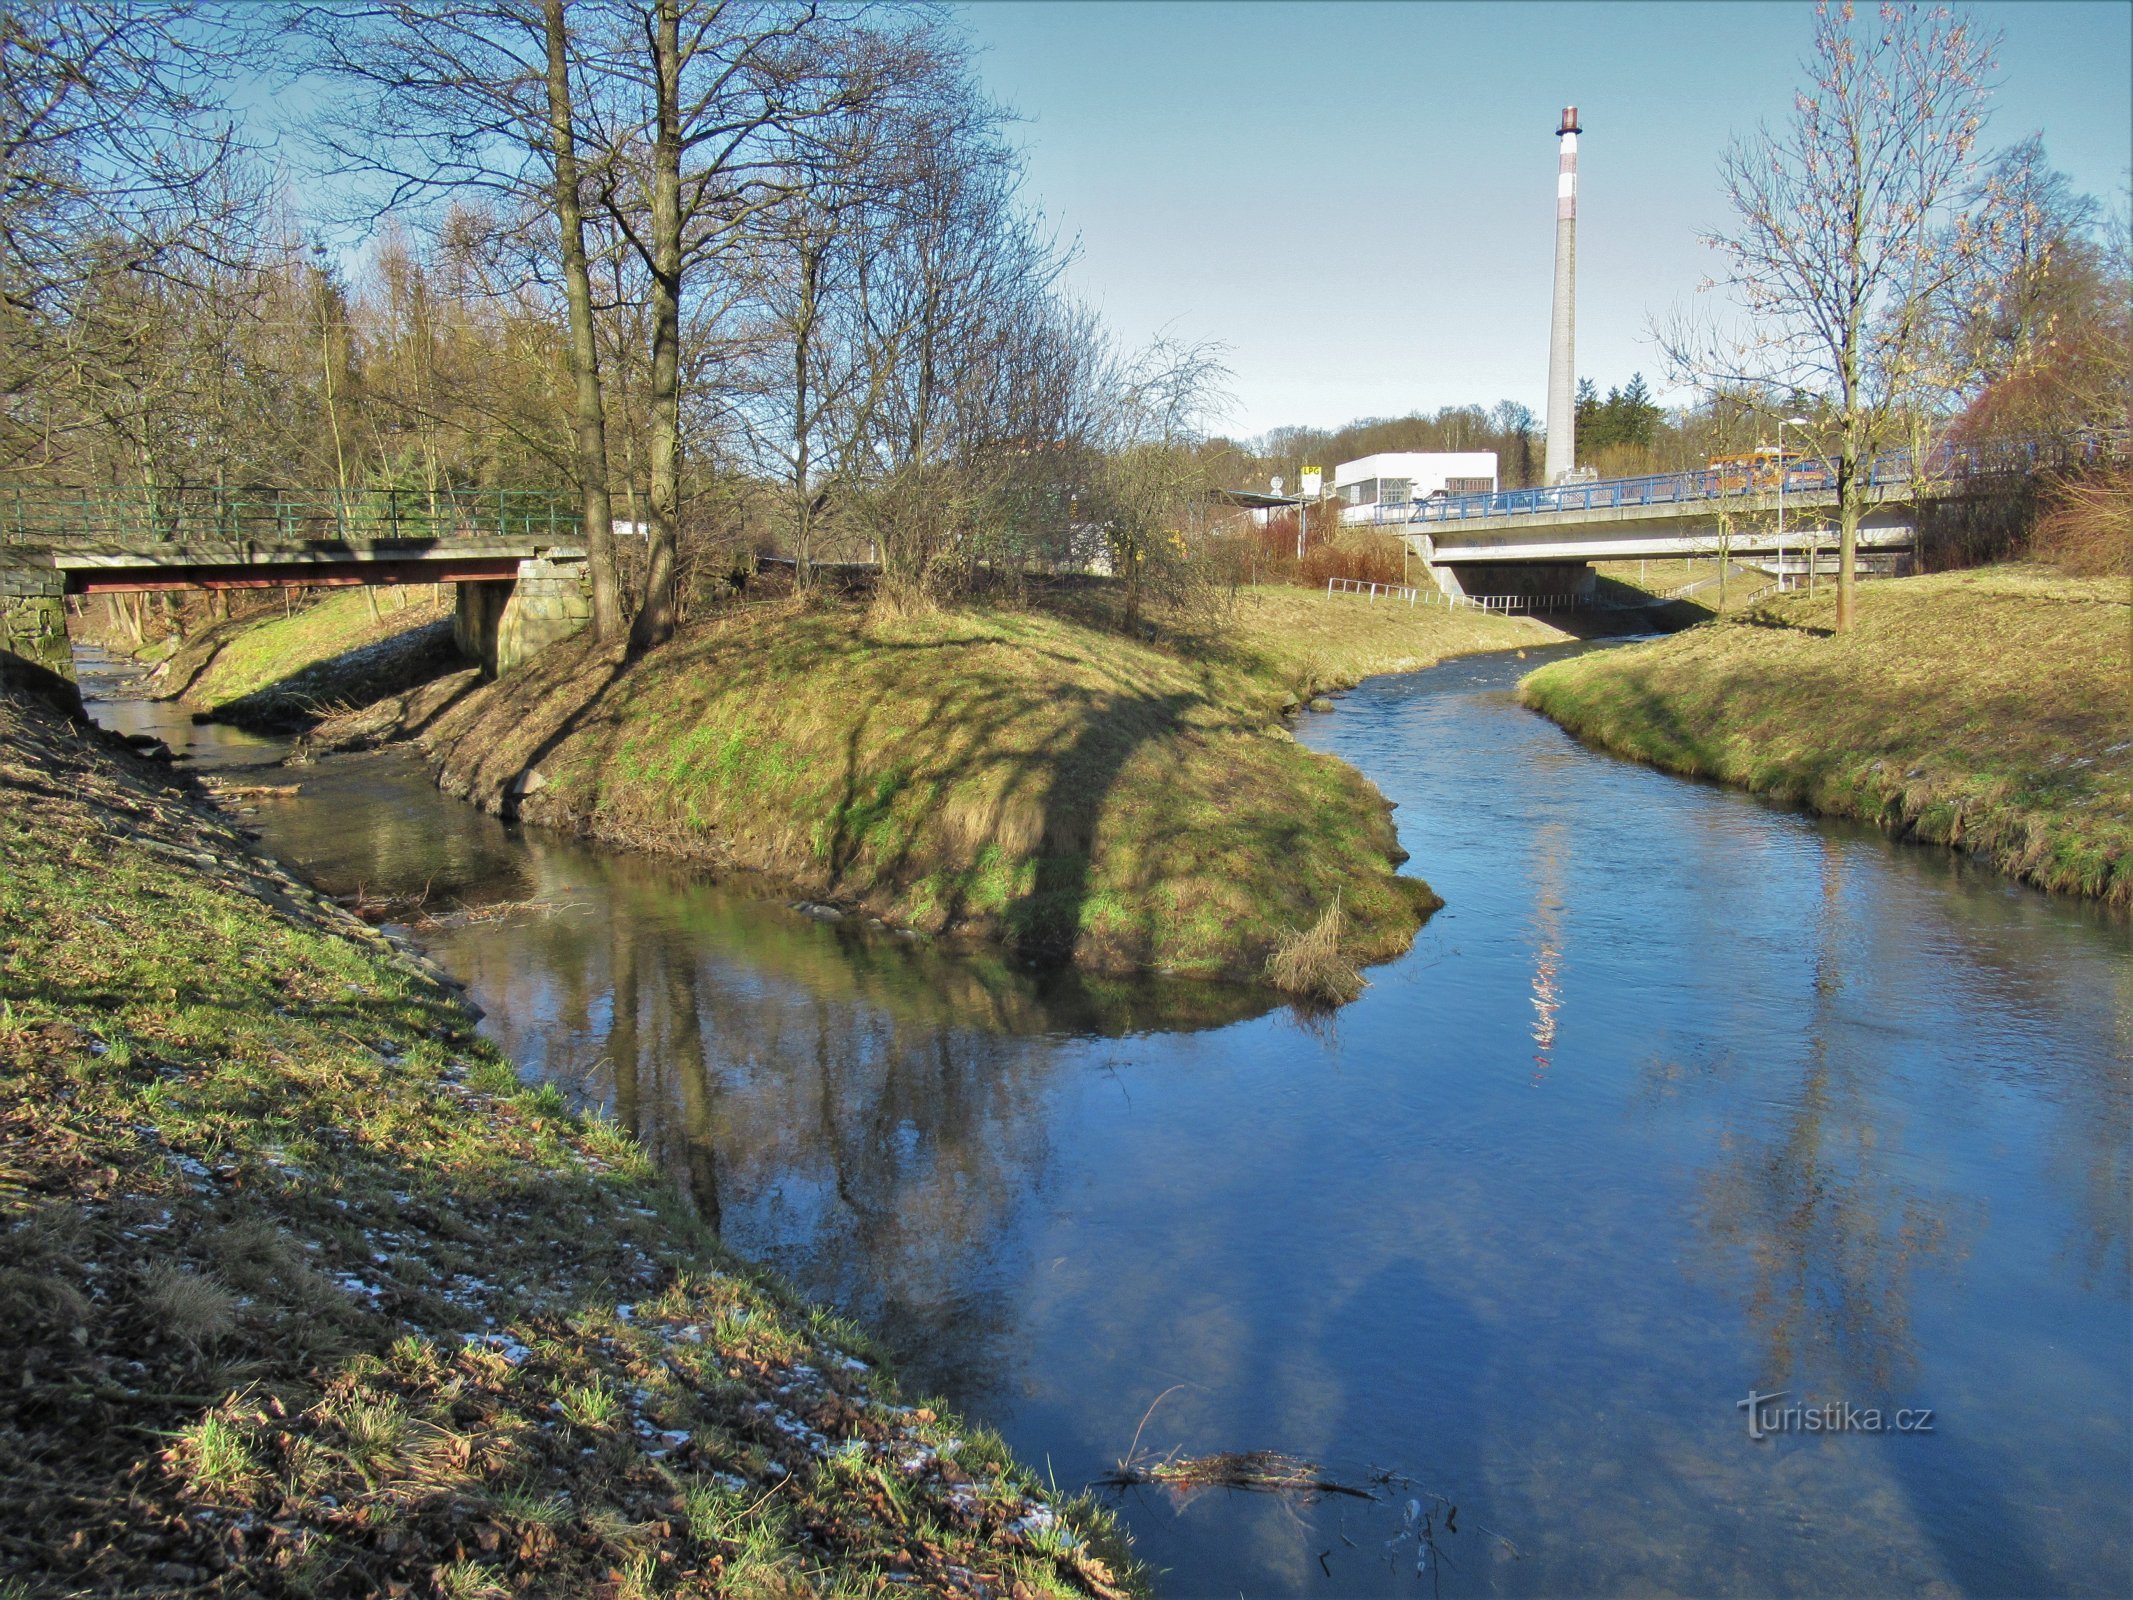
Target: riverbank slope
(1985, 709)
(307, 1293)
(278, 672)
(1008, 774)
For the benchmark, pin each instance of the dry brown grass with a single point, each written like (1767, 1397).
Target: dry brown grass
(187, 1304)
(1311, 965)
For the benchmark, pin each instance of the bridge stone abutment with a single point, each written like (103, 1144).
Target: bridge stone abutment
(33, 618)
(502, 623)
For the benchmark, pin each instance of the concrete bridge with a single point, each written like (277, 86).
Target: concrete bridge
(514, 556)
(1549, 551)
(1541, 541)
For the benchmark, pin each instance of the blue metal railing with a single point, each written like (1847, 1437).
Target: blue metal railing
(1891, 468)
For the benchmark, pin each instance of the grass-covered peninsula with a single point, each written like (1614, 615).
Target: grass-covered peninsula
(1023, 775)
(1990, 710)
(306, 1293)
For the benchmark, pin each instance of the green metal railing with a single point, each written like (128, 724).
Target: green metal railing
(36, 516)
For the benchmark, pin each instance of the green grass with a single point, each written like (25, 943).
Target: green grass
(306, 1293)
(1023, 776)
(282, 669)
(1985, 709)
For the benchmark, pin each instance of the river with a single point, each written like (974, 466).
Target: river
(1682, 1096)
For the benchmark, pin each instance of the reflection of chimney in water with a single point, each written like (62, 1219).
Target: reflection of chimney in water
(1562, 325)
(1548, 947)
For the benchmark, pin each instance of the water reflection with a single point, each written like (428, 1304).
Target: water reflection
(866, 1113)
(1822, 1113)
(1547, 942)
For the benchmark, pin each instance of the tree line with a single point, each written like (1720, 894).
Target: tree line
(738, 275)
(728, 274)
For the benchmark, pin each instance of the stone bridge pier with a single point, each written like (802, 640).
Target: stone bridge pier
(33, 618)
(504, 622)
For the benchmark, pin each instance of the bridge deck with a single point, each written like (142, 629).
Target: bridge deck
(89, 565)
(1631, 532)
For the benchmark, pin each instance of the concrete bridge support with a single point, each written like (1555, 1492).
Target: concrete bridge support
(1461, 579)
(33, 618)
(501, 624)
(1555, 579)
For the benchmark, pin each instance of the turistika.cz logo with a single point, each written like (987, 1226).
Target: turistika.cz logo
(1767, 1417)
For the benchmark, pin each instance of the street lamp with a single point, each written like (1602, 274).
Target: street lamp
(1783, 474)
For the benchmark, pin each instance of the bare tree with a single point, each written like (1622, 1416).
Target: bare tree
(589, 408)
(1854, 223)
(116, 148)
(2043, 336)
(708, 100)
(1152, 477)
(482, 96)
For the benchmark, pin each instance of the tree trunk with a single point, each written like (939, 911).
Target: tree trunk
(803, 426)
(655, 621)
(589, 407)
(1851, 495)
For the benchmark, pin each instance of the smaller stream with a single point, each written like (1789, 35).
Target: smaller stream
(1681, 1096)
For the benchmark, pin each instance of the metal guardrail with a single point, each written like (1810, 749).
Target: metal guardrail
(1398, 591)
(61, 517)
(1890, 469)
(1505, 604)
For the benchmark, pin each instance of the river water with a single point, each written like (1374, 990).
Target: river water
(1681, 1097)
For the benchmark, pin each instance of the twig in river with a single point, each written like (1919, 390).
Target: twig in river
(1267, 1471)
(497, 911)
(252, 791)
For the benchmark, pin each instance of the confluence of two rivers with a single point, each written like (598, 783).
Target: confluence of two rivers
(1682, 1096)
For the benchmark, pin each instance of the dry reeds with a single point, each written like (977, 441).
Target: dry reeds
(1311, 964)
(2087, 527)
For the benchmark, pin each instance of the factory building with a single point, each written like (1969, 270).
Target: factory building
(1401, 477)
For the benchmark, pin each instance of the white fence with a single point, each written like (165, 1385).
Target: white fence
(1504, 604)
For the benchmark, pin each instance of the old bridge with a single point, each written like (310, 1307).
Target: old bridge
(515, 556)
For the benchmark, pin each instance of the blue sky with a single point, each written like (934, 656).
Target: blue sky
(1358, 199)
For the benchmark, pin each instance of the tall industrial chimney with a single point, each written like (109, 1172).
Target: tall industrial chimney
(1562, 328)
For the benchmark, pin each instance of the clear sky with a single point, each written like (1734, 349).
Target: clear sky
(1358, 200)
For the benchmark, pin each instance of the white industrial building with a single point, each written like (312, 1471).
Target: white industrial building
(1398, 477)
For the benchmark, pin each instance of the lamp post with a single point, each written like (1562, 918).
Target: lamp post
(1783, 474)
(1308, 487)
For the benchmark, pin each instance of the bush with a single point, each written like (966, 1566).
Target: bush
(2086, 529)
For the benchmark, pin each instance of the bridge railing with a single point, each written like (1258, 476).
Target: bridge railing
(1890, 469)
(37, 516)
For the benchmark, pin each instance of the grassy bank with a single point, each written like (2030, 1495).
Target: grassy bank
(278, 671)
(1699, 576)
(1984, 709)
(1016, 775)
(305, 1293)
